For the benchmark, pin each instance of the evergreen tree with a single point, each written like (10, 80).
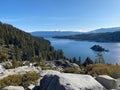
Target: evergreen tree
(74, 59)
(87, 61)
(99, 58)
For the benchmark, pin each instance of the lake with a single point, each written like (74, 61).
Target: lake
(82, 49)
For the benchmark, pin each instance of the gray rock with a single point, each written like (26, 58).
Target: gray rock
(1, 69)
(107, 81)
(67, 81)
(76, 66)
(30, 87)
(19, 70)
(118, 84)
(13, 88)
(62, 63)
(45, 72)
(33, 87)
(50, 63)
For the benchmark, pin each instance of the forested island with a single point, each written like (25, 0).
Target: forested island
(98, 48)
(97, 37)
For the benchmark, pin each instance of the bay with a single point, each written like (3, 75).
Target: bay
(82, 49)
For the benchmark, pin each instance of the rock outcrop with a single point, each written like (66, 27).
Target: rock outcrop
(67, 81)
(31, 87)
(19, 70)
(109, 82)
(60, 65)
(1, 69)
(13, 88)
(46, 72)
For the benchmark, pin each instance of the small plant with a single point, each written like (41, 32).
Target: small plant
(47, 67)
(30, 78)
(72, 70)
(8, 66)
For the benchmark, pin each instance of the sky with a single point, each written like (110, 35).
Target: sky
(60, 15)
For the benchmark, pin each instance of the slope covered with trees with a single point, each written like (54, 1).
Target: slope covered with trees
(98, 37)
(16, 44)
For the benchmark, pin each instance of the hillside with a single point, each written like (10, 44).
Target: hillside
(16, 44)
(53, 33)
(104, 30)
(98, 37)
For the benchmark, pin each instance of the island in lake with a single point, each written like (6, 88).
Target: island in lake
(99, 48)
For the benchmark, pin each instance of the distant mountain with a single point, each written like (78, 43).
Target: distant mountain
(53, 33)
(97, 37)
(68, 33)
(103, 30)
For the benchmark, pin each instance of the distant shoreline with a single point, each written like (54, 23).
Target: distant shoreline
(109, 37)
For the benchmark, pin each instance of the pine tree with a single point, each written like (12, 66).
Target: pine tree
(87, 61)
(99, 58)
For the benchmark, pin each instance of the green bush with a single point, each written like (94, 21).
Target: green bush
(16, 63)
(72, 70)
(19, 80)
(30, 78)
(47, 67)
(14, 80)
(13, 64)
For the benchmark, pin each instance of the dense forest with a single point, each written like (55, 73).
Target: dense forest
(97, 37)
(16, 44)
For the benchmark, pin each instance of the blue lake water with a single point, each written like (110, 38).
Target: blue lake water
(73, 48)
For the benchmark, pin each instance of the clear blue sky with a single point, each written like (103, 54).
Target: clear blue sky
(41, 15)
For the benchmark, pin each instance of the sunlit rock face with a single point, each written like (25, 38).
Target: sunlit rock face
(65, 81)
(19, 70)
(109, 82)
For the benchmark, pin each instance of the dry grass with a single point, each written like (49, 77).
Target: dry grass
(20, 80)
(104, 69)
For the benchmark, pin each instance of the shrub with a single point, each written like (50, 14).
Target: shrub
(13, 64)
(19, 80)
(16, 63)
(72, 70)
(14, 80)
(47, 67)
(103, 69)
(8, 65)
(30, 78)
(97, 69)
(114, 71)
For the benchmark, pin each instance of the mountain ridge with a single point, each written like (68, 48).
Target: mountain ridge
(53, 33)
(103, 30)
(67, 33)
